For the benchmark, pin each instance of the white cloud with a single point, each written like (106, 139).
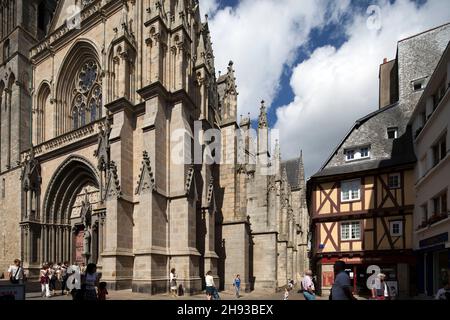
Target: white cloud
(261, 37)
(334, 87)
(208, 7)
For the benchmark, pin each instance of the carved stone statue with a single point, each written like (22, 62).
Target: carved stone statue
(87, 242)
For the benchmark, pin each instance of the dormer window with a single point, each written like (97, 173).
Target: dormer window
(392, 133)
(357, 153)
(419, 84)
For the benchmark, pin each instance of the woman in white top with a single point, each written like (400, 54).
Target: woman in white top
(210, 286)
(173, 283)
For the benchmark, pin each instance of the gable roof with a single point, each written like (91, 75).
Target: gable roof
(357, 124)
(402, 151)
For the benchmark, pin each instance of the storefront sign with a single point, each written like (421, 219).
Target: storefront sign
(433, 241)
(352, 260)
(12, 292)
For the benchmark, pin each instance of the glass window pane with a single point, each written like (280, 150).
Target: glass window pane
(345, 231)
(82, 115)
(93, 107)
(75, 118)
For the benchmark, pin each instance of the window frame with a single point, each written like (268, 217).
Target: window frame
(356, 153)
(351, 225)
(390, 130)
(399, 180)
(350, 194)
(439, 149)
(391, 228)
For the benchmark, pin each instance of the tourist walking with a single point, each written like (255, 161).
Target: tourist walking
(237, 285)
(381, 290)
(308, 286)
(173, 283)
(341, 289)
(44, 280)
(90, 282)
(64, 276)
(15, 273)
(211, 291)
(52, 278)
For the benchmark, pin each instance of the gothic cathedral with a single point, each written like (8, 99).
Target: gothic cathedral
(93, 97)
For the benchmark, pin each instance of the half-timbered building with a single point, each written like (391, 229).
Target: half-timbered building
(361, 201)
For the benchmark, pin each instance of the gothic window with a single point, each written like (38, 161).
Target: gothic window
(88, 95)
(82, 115)
(75, 117)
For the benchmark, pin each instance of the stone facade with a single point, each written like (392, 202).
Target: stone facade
(102, 169)
(430, 122)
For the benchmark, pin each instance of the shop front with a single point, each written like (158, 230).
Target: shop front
(433, 261)
(364, 270)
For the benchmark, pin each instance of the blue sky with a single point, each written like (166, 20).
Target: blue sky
(315, 62)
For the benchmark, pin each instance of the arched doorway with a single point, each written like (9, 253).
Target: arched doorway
(72, 214)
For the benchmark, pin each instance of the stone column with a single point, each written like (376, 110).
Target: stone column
(118, 256)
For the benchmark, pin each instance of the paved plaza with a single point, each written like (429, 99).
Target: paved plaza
(225, 295)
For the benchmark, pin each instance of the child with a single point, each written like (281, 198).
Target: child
(286, 294)
(102, 292)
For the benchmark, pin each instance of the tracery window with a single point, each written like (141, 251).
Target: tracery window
(87, 102)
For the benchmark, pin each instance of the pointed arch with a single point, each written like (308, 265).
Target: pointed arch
(80, 71)
(68, 180)
(7, 113)
(44, 114)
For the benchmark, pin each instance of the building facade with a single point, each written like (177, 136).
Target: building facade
(431, 127)
(361, 201)
(106, 106)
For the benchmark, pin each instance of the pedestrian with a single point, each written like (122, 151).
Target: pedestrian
(308, 286)
(237, 285)
(15, 273)
(102, 291)
(64, 275)
(90, 282)
(44, 280)
(341, 289)
(211, 290)
(173, 283)
(443, 294)
(381, 290)
(52, 278)
(286, 293)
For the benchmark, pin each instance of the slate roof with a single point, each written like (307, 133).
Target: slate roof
(402, 150)
(293, 172)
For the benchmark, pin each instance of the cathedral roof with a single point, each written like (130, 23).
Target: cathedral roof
(292, 171)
